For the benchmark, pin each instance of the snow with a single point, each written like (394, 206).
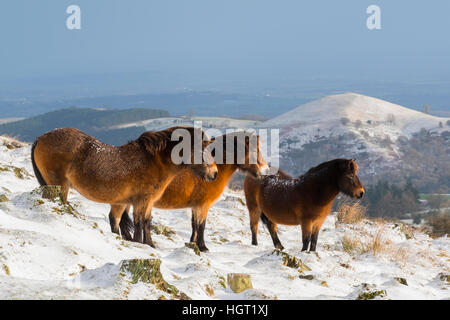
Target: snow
(46, 255)
(207, 122)
(323, 117)
(371, 122)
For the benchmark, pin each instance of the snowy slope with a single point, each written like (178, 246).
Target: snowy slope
(207, 122)
(46, 253)
(323, 118)
(367, 128)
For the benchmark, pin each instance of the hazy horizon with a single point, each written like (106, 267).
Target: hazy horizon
(288, 48)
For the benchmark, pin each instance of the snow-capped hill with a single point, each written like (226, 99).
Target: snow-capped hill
(351, 125)
(328, 113)
(50, 252)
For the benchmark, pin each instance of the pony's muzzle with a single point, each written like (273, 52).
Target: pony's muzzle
(264, 170)
(211, 176)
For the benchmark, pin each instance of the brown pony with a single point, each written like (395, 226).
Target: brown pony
(305, 201)
(133, 174)
(187, 190)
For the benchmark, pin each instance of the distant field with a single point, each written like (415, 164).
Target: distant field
(426, 196)
(7, 120)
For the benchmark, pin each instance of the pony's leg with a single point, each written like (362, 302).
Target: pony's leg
(65, 191)
(138, 219)
(194, 226)
(126, 224)
(273, 233)
(201, 237)
(198, 227)
(306, 234)
(315, 234)
(148, 227)
(314, 237)
(255, 215)
(201, 230)
(115, 215)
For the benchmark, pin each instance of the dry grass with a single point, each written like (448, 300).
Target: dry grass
(350, 213)
(376, 245)
(209, 290)
(352, 244)
(440, 223)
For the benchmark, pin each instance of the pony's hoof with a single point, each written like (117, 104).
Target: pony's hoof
(279, 247)
(203, 248)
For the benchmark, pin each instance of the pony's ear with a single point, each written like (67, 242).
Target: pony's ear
(353, 166)
(347, 166)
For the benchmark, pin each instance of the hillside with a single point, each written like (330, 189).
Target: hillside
(50, 252)
(96, 122)
(388, 140)
(221, 123)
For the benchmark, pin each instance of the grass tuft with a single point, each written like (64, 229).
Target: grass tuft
(350, 213)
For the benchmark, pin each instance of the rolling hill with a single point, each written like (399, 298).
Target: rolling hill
(96, 122)
(389, 141)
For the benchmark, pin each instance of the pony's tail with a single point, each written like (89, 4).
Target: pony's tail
(265, 220)
(37, 173)
(126, 224)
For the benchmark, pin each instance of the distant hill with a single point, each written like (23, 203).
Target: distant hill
(178, 104)
(96, 122)
(389, 141)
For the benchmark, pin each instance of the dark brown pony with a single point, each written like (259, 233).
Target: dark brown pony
(305, 201)
(187, 190)
(133, 174)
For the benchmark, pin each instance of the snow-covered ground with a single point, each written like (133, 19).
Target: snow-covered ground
(47, 253)
(7, 120)
(207, 122)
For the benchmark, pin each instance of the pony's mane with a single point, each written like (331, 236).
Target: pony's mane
(283, 174)
(235, 135)
(325, 166)
(157, 141)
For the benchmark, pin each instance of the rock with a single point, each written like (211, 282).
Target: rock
(401, 281)
(3, 198)
(51, 192)
(66, 209)
(148, 271)
(239, 282)
(369, 295)
(444, 277)
(241, 201)
(6, 269)
(193, 246)
(162, 229)
(18, 173)
(306, 277)
(292, 261)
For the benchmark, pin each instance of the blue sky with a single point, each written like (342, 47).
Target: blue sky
(213, 37)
